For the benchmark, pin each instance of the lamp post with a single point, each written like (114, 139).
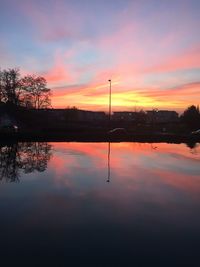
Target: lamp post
(109, 104)
(108, 180)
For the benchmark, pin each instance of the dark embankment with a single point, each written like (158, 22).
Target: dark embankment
(95, 136)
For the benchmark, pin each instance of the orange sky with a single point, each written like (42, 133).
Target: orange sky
(97, 97)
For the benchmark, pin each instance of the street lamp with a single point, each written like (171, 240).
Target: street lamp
(109, 102)
(108, 180)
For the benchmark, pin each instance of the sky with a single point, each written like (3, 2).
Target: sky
(150, 49)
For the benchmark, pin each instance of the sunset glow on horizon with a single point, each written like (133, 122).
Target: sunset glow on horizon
(149, 49)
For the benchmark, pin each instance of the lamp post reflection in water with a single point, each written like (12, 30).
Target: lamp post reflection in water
(108, 180)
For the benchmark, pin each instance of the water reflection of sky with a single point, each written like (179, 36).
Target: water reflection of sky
(131, 163)
(153, 198)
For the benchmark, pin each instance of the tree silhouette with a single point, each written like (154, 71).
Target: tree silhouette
(30, 91)
(191, 117)
(10, 88)
(35, 92)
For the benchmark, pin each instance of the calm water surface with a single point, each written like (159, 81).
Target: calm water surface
(99, 204)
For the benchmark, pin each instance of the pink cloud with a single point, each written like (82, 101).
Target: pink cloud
(190, 89)
(53, 22)
(62, 71)
(136, 49)
(58, 73)
(187, 60)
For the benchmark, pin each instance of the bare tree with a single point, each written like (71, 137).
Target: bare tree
(10, 89)
(30, 91)
(35, 92)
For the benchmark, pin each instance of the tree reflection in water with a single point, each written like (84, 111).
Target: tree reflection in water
(27, 157)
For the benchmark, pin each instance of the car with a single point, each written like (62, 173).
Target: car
(117, 131)
(197, 132)
(9, 129)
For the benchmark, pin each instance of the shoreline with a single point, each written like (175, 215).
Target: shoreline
(96, 137)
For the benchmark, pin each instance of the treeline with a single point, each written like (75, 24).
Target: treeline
(29, 91)
(191, 117)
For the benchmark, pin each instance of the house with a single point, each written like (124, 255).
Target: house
(161, 116)
(124, 116)
(69, 115)
(84, 115)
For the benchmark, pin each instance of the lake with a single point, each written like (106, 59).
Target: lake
(99, 204)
